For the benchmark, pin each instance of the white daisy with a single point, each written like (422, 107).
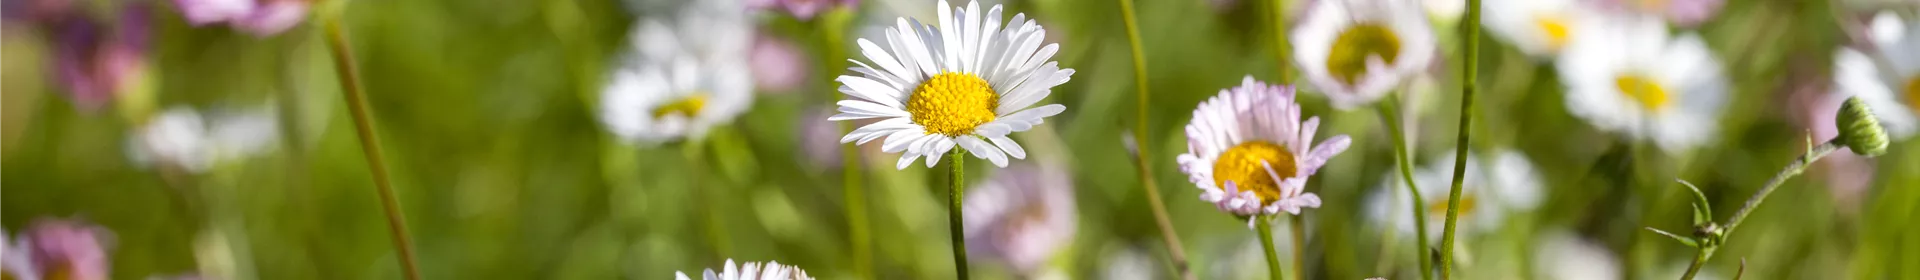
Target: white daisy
(967, 82)
(751, 271)
(1022, 216)
(1493, 187)
(180, 137)
(1625, 74)
(1539, 28)
(1563, 255)
(1355, 51)
(687, 73)
(1248, 151)
(1891, 86)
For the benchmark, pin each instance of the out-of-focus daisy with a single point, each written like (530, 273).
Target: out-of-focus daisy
(1539, 28)
(968, 82)
(258, 17)
(687, 73)
(751, 271)
(1022, 216)
(778, 65)
(1355, 51)
(1250, 154)
(59, 249)
(181, 137)
(1891, 84)
(1625, 74)
(1563, 255)
(1685, 13)
(1494, 186)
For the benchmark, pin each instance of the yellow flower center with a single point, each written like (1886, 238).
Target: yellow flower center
(953, 104)
(1241, 164)
(1644, 90)
(686, 106)
(1555, 26)
(1913, 92)
(1439, 206)
(1348, 60)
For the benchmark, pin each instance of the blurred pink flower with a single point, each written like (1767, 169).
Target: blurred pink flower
(70, 250)
(94, 63)
(1022, 216)
(260, 18)
(778, 65)
(820, 139)
(801, 9)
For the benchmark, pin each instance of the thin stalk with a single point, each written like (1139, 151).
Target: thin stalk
(1299, 230)
(1468, 83)
(1142, 166)
(956, 183)
(369, 142)
(694, 151)
(1390, 113)
(1277, 10)
(1794, 168)
(832, 34)
(1265, 226)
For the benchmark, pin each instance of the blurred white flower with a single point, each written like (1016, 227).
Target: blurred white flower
(1493, 188)
(1565, 256)
(1356, 51)
(180, 137)
(751, 271)
(968, 82)
(1889, 84)
(1022, 216)
(1128, 264)
(1250, 154)
(687, 73)
(1625, 74)
(1539, 28)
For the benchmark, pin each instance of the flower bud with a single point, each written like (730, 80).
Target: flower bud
(1859, 129)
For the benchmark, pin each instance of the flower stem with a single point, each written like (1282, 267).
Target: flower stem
(1469, 80)
(369, 142)
(1175, 252)
(1265, 226)
(832, 32)
(1299, 229)
(956, 183)
(1390, 113)
(1277, 10)
(1794, 168)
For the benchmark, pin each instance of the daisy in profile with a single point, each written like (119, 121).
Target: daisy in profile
(1355, 51)
(687, 72)
(1250, 154)
(1500, 183)
(968, 83)
(751, 271)
(1626, 75)
(1539, 28)
(1888, 82)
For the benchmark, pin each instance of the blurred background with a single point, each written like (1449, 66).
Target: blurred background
(211, 139)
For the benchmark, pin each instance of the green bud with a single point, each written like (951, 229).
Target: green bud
(1859, 129)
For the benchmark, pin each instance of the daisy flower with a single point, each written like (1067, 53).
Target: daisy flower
(1248, 151)
(1891, 86)
(60, 249)
(968, 82)
(1022, 216)
(1625, 74)
(751, 271)
(687, 73)
(1355, 51)
(1539, 28)
(1493, 187)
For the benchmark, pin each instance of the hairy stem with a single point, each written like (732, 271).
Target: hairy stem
(1175, 252)
(956, 160)
(1265, 227)
(1299, 230)
(1468, 81)
(1390, 113)
(1794, 168)
(369, 142)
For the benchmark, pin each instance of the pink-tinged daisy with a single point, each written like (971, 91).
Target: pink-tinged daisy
(1249, 152)
(751, 271)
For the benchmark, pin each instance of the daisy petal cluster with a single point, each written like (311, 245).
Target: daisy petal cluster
(687, 73)
(967, 83)
(257, 17)
(751, 271)
(1627, 75)
(1250, 154)
(1356, 51)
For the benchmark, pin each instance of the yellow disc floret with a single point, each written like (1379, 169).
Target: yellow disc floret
(685, 106)
(1438, 207)
(1644, 90)
(1556, 29)
(1913, 92)
(1242, 165)
(953, 104)
(1348, 59)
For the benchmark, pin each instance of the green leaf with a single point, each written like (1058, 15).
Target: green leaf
(1702, 210)
(1682, 239)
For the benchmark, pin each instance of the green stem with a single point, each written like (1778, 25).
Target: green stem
(1142, 166)
(1699, 260)
(694, 151)
(1299, 230)
(1277, 10)
(1265, 226)
(956, 160)
(832, 33)
(1390, 113)
(1468, 82)
(369, 142)
(1794, 168)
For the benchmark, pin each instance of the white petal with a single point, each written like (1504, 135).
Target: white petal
(1011, 147)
